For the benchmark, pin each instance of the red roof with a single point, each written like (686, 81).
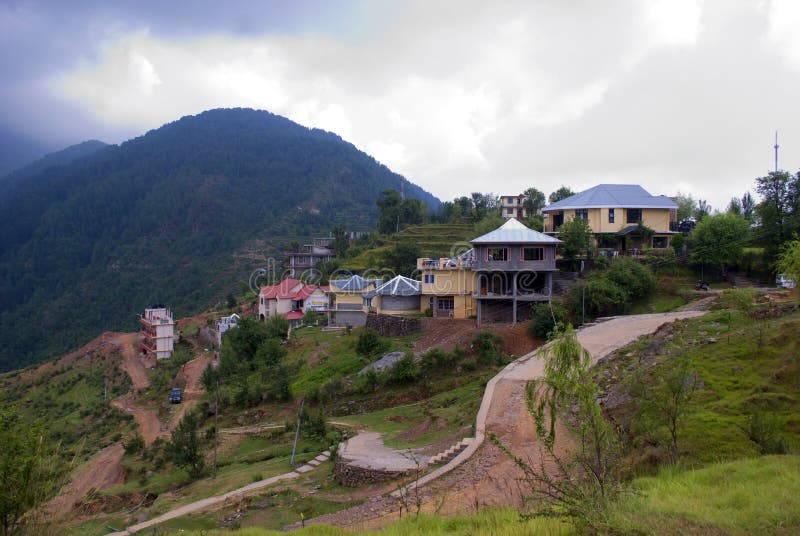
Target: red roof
(294, 315)
(325, 288)
(288, 289)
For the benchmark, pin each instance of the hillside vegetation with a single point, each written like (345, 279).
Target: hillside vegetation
(181, 215)
(434, 240)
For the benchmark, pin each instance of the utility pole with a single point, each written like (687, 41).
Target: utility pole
(776, 151)
(297, 432)
(216, 428)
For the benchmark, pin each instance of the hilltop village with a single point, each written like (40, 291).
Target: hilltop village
(344, 391)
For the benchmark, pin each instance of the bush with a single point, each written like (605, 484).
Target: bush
(437, 358)
(544, 318)
(134, 444)
(632, 277)
(741, 299)
(603, 297)
(313, 425)
(489, 347)
(369, 381)
(405, 370)
(370, 344)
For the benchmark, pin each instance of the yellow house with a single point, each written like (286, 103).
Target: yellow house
(346, 298)
(617, 214)
(448, 286)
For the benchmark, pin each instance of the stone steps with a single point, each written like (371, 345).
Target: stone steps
(452, 452)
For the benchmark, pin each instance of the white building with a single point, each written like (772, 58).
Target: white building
(224, 324)
(158, 329)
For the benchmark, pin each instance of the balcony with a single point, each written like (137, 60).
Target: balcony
(543, 295)
(444, 264)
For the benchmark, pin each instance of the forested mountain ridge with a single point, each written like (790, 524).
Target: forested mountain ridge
(180, 215)
(63, 157)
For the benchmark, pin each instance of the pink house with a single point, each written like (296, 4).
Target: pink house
(290, 298)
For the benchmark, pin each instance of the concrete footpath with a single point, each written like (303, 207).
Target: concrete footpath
(599, 339)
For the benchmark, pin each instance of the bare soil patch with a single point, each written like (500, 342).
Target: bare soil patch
(101, 472)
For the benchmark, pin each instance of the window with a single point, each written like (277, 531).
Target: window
(497, 254)
(509, 210)
(582, 213)
(532, 254)
(446, 304)
(611, 215)
(427, 278)
(634, 215)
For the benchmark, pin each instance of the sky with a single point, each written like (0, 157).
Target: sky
(458, 96)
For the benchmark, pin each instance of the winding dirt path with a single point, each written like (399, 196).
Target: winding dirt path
(482, 475)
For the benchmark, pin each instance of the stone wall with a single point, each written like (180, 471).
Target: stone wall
(393, 326)
(354, 476)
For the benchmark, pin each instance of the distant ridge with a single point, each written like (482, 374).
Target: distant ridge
(180, 215)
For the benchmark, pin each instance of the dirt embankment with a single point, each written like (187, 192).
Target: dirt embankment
(101, 472)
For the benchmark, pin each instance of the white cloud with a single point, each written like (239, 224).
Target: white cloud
(492, 97)
(783, 19)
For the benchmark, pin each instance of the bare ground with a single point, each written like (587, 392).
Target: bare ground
(101, 472)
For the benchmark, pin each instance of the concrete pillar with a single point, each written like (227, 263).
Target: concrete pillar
(514, 298)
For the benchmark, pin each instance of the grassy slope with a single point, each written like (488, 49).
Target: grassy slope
(749, 496)
(435, 240)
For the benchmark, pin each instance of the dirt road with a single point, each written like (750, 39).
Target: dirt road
(101, 472)
(485, 476)
(131, 362)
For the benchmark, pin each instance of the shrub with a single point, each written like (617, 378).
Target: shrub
(544, 318)
(632, 277)
(489, 347)
(368, 382)
(741, 299)
(404, 370)
(370, 344)
(134, 444)
(603, 297)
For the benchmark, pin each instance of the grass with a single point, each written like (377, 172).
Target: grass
(744, 367)
(500, 522)
(751, 496)
(322, 355)
(435, 240)
(445, 413)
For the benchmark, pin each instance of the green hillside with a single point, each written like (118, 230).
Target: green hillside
(435, 240)
(181, 216)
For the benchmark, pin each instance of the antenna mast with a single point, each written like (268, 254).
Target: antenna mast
(776, 151)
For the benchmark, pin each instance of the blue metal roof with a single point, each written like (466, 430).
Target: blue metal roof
(354, 283)
(613, 196)
(397, 286)
(513, 232)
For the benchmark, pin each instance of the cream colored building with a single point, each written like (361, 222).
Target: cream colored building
(158, 329)
(616, 214)
(449, 286)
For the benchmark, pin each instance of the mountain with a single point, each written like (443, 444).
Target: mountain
(17, 150)
(59, 158)
(181, 216)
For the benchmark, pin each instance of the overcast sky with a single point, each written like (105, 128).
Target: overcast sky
(675, 95)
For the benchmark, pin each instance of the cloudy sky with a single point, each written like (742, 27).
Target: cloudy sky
(676, 95)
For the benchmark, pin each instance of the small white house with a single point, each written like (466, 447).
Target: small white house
(224, 324)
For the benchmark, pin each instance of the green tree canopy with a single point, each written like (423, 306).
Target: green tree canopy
(778, 211)
(686, 206)
(718, 240)
(534, 201)
(577, 237)
(562, 193)
(789, 259)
